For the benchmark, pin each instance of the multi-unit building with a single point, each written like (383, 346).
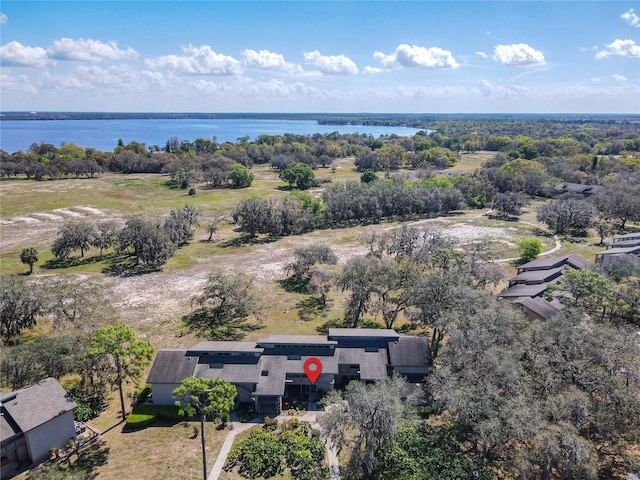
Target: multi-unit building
(271, 370)
(534, 278)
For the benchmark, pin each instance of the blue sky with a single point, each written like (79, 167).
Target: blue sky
(321, 56)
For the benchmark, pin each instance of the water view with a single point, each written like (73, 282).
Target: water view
(104, 134)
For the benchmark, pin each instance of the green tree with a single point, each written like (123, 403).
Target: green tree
(364, 420)
(206, 396)
(29, 256)
(584, 289)
(529, 249)
(368, 176)
(253, 215)
(150, 243)
(240, 175)
(73, 236)
(225, 305)
(127, 354)
(299, 174)
(105, 235)
(20, 304)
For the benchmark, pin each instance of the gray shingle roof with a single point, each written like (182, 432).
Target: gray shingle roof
(36, 404)
(373, 365)
(224, 347)
(537, 275)
(619, 251)
(171, 365)
(297, 340)
(409, 352)
(574, 260)
(524, 290)
(627, 236)
(541, 307)
(361, 332)
(231, 372)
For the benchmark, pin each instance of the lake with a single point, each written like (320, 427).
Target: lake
(104, 134)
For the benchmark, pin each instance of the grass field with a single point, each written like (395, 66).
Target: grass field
(153, 304)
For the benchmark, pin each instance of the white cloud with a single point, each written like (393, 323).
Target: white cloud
(619, 78)
(487, 89)
(88, 50)
(198, 61)
(631, 18)
(3, 18)
(266, 60)
(517, 54)
(481, 54)
(620, 48)
(14, 54)
(373, 70)
(331, 64)
(412, 56)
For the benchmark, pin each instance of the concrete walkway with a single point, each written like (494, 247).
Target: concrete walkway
(238, 427)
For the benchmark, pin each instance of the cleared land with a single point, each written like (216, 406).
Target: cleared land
(153, 304)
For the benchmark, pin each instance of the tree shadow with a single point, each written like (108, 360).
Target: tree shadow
(202, 323)
(333, 323)
(70, 262)
(92, 457)
(247, 240)
(504, 218)
(292, 285)
(124, 265)
(311, 308)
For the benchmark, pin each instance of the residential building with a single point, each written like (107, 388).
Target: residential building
(270, 371)
(527, 288)
(34, 420)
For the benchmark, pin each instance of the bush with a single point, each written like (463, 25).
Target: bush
(140, 420)
(529, 249)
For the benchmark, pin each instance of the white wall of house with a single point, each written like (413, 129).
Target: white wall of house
(56, 433)
(162, 393)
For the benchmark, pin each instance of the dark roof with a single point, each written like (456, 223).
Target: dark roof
(524, 290)
(627, 236)
(373, 365)
(172, 366)
(409, 352)
(8, 427)
(362, 332)
(36, 404)
(541, 307)
(537, 275)
(298, 340)
(626, 243)
(273, 383)
(574, 260)
(579, 188)
(224, 347)
(619, 251)
(231, 372)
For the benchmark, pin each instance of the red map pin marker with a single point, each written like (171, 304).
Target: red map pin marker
(313, 369)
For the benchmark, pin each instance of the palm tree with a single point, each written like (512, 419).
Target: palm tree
(29, 256)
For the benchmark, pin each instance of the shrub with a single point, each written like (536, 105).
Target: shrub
(140, 420)
(141, 395)
(529, 249)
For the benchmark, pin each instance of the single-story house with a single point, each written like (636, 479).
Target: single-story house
(578, 188)
(33, 421)
(606, 257)
(271, 370)
(626, 237)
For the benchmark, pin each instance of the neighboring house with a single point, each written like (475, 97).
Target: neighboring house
(534, 278)
(578, 188)
(607, 257)
(627, 237)
(33, 421)
(271, 370)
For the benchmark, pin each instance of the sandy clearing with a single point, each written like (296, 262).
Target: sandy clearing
(70, 213)
(29, 220)
(48, 216)
(95, 211)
